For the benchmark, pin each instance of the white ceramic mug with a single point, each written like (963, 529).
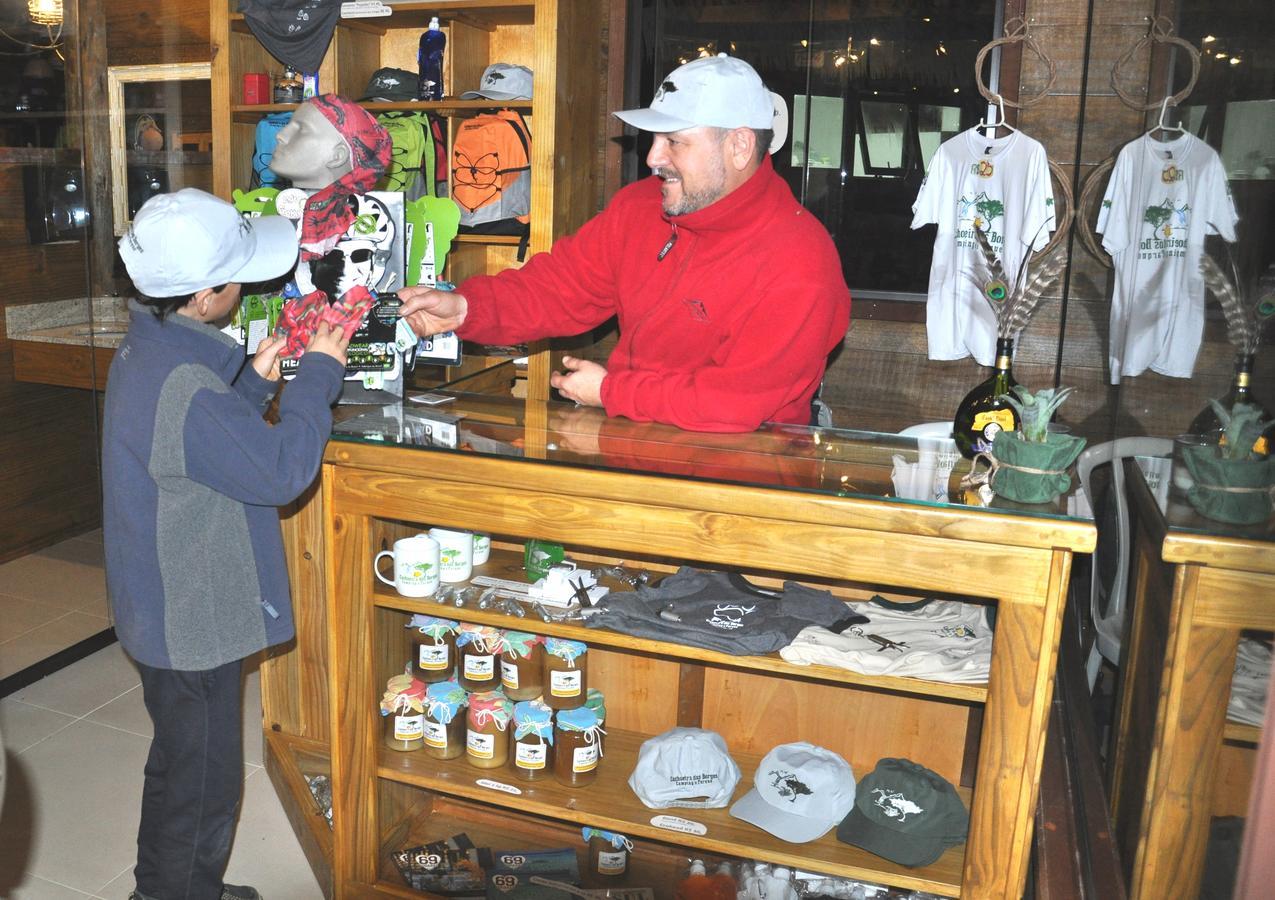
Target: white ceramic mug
(416, 565)
(456, 553)
(482, 548)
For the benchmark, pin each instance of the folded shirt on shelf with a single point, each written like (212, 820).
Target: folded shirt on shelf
(1248, 686)
(938, 640)
(722, 611)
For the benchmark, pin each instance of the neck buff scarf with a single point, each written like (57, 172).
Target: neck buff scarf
(327, 217)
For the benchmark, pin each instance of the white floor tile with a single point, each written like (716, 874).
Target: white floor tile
(46, 640)
(84, 550)
(23, 724)
(18, 616)
(254, 743)
(126, 712)
(40, 889)
(57, 582)
(266, 854)
(84, 686)
(79, 791)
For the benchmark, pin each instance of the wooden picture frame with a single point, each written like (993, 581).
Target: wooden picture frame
(117, 77)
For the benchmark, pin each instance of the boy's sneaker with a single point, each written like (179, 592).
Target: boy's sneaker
(239, 892)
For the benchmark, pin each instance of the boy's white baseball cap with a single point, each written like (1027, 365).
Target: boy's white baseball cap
(720, 91)
(189, 240)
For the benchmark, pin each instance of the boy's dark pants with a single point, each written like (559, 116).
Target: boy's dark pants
(194, 779)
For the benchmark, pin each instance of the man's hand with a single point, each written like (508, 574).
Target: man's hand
(582, 381)
(329, 339)
(577, 430)
(265, 362)
(429, 311)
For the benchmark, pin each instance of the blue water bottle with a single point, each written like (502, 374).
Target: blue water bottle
(429, 62)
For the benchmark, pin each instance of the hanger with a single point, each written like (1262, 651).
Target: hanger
(1162, 126)
(991, 123)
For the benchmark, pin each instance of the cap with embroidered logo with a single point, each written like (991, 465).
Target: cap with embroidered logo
(799, 792)
(685, 767)
(186, 241)
(719, 91)
(905, 813)
(502, 81)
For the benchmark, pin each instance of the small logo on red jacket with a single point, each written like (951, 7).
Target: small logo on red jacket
(697, 309)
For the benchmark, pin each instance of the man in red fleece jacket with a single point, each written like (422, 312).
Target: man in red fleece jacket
(729, 294)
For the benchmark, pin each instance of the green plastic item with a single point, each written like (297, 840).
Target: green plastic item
(538, 556)
(1051, 460)
(443, 215)
(258, 202)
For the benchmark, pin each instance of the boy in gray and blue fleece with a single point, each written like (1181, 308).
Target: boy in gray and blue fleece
(192, 476)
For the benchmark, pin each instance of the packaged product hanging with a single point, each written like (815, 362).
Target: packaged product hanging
(533, 740)
(433, 648)
(521, 665)
(479, 649)
(566, 673)
(577, 746)
(487, 736)
(608, 852)
(445, 705)
(403, 707)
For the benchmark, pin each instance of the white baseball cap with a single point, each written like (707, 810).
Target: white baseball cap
(799, 792)
(502, 81)
(685, 767)
(186, 241)
(721, 91)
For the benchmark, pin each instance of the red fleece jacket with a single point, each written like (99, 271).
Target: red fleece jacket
(730, 329)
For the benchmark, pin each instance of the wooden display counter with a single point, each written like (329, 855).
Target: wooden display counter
(787, 503)
(1178, 761)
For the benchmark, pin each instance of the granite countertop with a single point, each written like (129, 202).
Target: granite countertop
(69, 322)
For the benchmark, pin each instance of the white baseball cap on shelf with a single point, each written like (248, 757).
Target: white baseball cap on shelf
(799, 793)
(685, 767)
(719, 91)
(502, 81)
(189, 240)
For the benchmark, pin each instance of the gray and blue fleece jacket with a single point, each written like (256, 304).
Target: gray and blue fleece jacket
(192, 476)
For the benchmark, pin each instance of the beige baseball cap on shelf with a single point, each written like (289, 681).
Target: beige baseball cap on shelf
(720, 91)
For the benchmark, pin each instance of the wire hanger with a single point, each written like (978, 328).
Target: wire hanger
(1163, 127)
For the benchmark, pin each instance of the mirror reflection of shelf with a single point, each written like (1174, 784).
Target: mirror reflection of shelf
(169, 158)
(450, 107)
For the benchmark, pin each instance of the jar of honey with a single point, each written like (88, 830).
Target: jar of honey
(577, 746)
(445, 703)
(532, 756)
(608, 852)
(566, 675)
(478, 647)
(487, 734)
(521, 665)
(403, 707)
(433, 648)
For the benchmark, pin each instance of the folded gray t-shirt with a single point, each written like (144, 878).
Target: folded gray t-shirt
(722, 611)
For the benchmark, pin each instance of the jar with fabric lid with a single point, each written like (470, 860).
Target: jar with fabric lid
(608, 852)
(577, 746)
(403, 707)
(433, 648)
(487, 734)
(521, 665)
(532, 754)
(445, 704)
(478, 649)
(566, 678)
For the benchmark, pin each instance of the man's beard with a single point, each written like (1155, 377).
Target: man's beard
(693, 201)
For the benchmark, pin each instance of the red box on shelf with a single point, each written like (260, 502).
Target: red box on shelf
(256, 88)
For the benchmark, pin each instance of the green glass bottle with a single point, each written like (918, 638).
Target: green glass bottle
(984, 412)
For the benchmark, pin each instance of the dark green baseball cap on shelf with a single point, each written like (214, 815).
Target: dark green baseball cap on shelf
(905, 813)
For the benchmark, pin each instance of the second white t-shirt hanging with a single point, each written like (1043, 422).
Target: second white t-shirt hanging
(1001, 186)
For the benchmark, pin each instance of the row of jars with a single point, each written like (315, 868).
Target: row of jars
(492, 731)
(523, 666)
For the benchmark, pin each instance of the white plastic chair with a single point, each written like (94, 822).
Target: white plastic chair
(1109, 625)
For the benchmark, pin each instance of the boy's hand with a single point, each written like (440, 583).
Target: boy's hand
(329, 339)
(266, 360)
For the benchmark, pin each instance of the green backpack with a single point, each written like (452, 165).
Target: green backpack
(417, 140)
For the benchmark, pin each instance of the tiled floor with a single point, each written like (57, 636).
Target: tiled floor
(75, 744)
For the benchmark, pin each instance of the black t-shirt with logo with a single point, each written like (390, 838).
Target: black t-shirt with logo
(722, 611)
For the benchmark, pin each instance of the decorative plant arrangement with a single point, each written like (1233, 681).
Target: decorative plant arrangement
(1014, 303)
(1233, 483)
(1247, 311)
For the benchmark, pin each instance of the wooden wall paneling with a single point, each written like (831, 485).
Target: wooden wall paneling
(357, 56)
(640, 691)
(1233, 780)
(148, 31)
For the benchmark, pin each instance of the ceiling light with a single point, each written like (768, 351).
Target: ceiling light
(1235, 60)
(874, 42)
(45, 12)
(1208, 39)
(1220, 56)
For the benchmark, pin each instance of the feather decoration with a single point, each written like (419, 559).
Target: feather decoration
(1241, 322)
(1014, 304)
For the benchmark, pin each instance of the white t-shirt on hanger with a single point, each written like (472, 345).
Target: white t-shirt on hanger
(1163, 198)
(1000, 185)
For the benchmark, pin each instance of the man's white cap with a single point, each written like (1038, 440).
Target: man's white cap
(686, 767)
(799, 792)
(186, 241)
(721, 91)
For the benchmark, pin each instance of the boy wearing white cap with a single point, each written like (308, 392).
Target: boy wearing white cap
(729, 294)
(192, 476)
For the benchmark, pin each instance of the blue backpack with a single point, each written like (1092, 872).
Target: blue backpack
(267, 132)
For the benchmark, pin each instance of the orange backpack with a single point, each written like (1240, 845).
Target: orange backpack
(491, 173)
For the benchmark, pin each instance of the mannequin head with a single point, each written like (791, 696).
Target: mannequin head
(310, 151)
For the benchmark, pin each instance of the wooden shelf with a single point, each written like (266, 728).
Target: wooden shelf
(609, 803)
(484, 14)
(169, 158)
(1238, 731)
(249, 113)
(508, 565)
(289, 759)
(510, 239)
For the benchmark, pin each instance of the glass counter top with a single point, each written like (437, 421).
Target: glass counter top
(1180, 517)
(827, 461)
